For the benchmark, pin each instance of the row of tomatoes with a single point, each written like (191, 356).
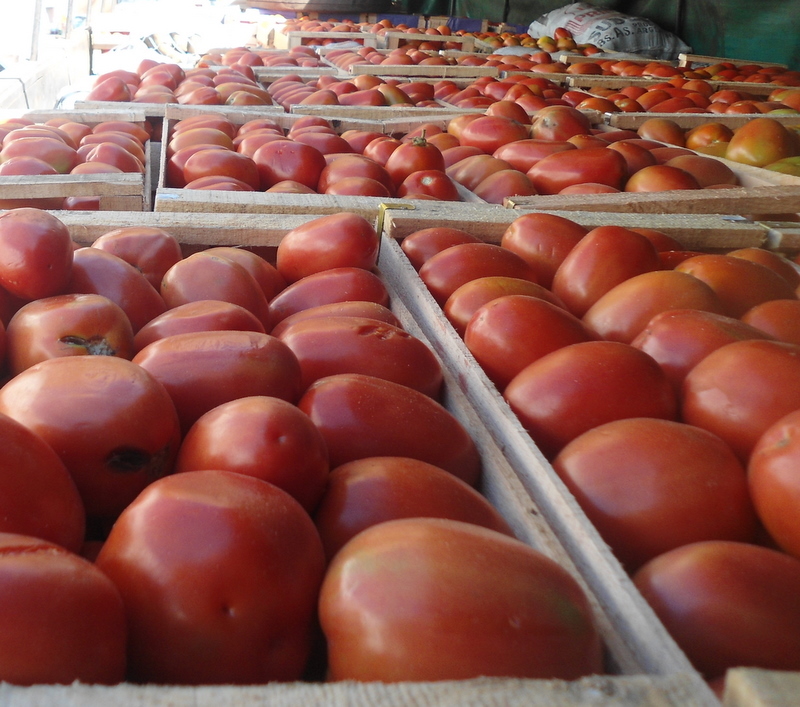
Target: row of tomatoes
(664, 387)
(257, 460)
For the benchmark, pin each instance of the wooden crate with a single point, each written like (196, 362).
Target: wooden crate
(750, 687)
(393, 40)
(287, 40)
(588, 81)
(691, 120)
(444, 71)
(694, 60)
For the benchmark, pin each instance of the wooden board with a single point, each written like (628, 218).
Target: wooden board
(443, 71)
(393, 40)
(592, 81)
(692, 60)
(750, 687)
(631, 121)
(288, 40)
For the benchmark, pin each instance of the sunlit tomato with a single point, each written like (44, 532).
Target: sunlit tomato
(660, 177)
(625, 310)
(353, 166)
(739, 283)
(425, 637)
(774, 261)
(585, 385)
(338, 240)
(286, 159)
(602, 259)
(543, 240)
(368, 491)
(25, 165)
(779, 318)
(489, 133)
(67, 325)
(411, 157)
(510, 332)
(761, 141)
(55, 152)
(64, 619)
(216, 558)
(150, 250)
(325, 346)
(264, 437)
(421, 245)
(225, 163)
(201, 370)
(36, 253)
(38, 496)
(199, 136)
(651, 485)
(113, 154)
(206, 276)
(264, 273)
(599, 165)
(559, 123)
(251, 141)
(288, 186)
(111, 423)
(359, 139)
(704, 138)
(328, 286)
(363, 416)
(727, 604)
(759, 382)
(523, 154)
(446, 271)
(96, 271)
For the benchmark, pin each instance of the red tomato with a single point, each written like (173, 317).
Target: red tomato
(380, 148)
(727, 604)
(774, 261)
(543, 240)
(67, 325)
(598, 165)
(216, 558)
(218, 183)
(345, 284)
(264, 273)
(325, 346)
(96, 271)
(489, 133)
(115, 155)
(523, 154)
(151, 250)
(707, 171)
(509, 332)
(504, 183)
(201, 370)
(198, 136)
(660, 177)
(369, 310)
(420, 567)
(368, 491)
(64, 620)
(264, 437)
(411, 157)
(110, 421)
(759, 382)
(346, 166)
(425, 243)
(429, 182)
(37, 494)
(779, 318)
(286, 159)
(601, 260)
(222, 163)
(173, 173)
(679, 339)
(585, 385)
(651, 485)
(55, 152)
(334, 241)
(36, 253)
(363, 416)
(446, 271)
(471, 171)
(559, 123)
(636, 157)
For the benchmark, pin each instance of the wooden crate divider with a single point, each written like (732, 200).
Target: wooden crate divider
(288, 40)
(393, 40)
(692, 60)
(631, 121)
(589, 81)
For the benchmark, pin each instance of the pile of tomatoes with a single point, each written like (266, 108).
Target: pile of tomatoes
(664, 387)
(221, 469)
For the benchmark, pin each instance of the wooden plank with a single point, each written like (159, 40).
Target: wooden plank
(117, 192)
(631, 121)
(376, 112)
(393, 40)
(288, 40)
(592, 81)
(691, 60)
(442, 71)
(752, 687)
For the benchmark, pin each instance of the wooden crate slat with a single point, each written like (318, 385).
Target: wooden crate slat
(632, 121)
(752, 687)
(442, 71)
(686, 59)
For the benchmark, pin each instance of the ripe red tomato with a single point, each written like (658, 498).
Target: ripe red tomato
(660, 177)
(369, 310)
(504, 183)
(489, 133)
(215, 558)
(558, 123)
(36, 253)
(523, 154)
(432, 183)
(598, 165)
(363, 416)
(411, 157)
(585, 385)
(113, 154)
(345, 166)
(222, 163)
(286, 159)
(779, 318)
(759, 382)
(264, 273)
(201, 370)
(110, 421)
(420, 567)
(727, 604)
(368, 491)
(67, 325)
(421, 245)
(651, 485)
(338, 240)
(64, 620)
(37, 494)
(55, 152)
(472, 170)
(774, 261)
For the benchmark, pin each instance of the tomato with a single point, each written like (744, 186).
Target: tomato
(509, 332)
(215, 559)
(489, 133)
(660, 177)
(335, 241)
(559, 123)
(368, 491)
(472, 170)
(264, 437)
(201, 370)
(599, 165)
(761, 141)
(707, 171)
(64, 619)
(218, 183)
(55, 152)
(602, 259)
(363, 309)
(36, 253)
(758, 380)
(264, 273)
(727, 604)
(173, 173)
(575, 388)
(429, 183)
(96, 271)
(420, 568)
(364, 416)
(504, 183)
(328, 345)
(774, 261)
(111, 423)
(636, 157)
(24, 165)
(326, 143)
(778, 318)
(113, 154)
(446, 271)
(251, 141)
(662, 130)
(651, 485)
(421, 245)
(67, 325)
(286, 159)
(523, 154)
(226, 163)
(411, 157)
(740, 284)
(122, 139)
(679, 339)
(204, 276)
(38, 496)
(346, 284)
(353, 166)
(199, 136)
(380, 148)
